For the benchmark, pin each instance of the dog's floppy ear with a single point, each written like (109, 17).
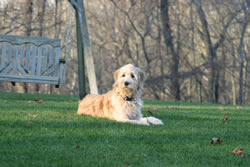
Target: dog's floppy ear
(142, 76)
(116, 74)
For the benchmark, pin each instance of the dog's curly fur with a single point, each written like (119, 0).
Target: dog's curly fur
(123, 103)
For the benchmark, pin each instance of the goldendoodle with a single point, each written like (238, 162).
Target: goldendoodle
(123, 103)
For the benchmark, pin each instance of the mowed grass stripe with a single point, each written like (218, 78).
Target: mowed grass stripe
(51, 134)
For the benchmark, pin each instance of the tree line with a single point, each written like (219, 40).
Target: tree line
(191, 50)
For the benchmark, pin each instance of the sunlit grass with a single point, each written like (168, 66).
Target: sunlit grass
(50, 133)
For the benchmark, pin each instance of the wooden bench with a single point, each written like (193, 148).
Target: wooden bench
(31, 59)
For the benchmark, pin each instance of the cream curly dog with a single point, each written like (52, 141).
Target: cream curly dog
(123, 103)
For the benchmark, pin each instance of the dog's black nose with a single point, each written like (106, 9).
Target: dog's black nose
(126, 83)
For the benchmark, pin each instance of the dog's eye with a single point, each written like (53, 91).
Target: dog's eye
(132, 76)
(123, 75)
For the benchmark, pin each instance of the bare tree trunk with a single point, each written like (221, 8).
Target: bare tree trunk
(169, 44)
(41, 17)
(240, 49)
(240, 52)
(234, 100)
(213, 78)
(28, 14)
(193, 49)
(210, 52)
(28, 28)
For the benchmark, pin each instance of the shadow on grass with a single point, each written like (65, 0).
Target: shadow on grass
(29, 96)
(41, 107)
(109, 141)
(99, 129)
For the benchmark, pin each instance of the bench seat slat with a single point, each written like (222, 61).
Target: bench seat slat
(3, 58)
(33, 79)
(33, 66)
(22, 57)
(8, 68)
(51, 53)
(23, 72)
(27, 64)
(57, 61)
(15, 60)
(45, 58)
(9, 53)
(39, 62)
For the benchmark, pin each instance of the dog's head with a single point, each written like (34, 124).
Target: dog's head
(129, 80)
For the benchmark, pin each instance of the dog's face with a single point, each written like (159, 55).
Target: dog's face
(129, 80)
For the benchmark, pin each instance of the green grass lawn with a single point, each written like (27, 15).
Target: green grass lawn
(51, 134)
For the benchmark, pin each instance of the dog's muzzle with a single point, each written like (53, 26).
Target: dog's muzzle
(126, 83)
(126, 98)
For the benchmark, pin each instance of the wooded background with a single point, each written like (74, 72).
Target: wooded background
(191, 50)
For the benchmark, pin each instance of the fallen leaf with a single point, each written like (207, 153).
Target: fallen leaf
(215, 140)
(225, 118)
(38, 100)
(142, 138)
(238, 151)
(221, 108)
(77, 147)
(29, 122)
(150, 113)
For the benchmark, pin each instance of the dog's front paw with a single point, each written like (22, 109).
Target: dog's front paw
(144, 123)
(154, 121)
(138, 122)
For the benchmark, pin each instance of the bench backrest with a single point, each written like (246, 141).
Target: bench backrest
(29, 59)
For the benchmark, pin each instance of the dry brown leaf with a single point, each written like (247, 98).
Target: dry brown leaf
(142, 138)
(150, 113)
(38, 100)
(238, 151)
(215, 140)
(29, 122)
(77, 147)
(225, 118)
